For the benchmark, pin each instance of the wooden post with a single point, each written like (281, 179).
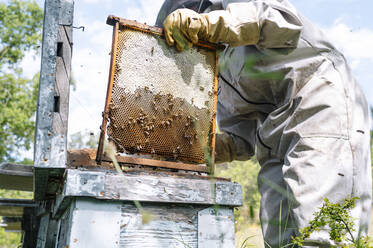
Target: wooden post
(53, 99)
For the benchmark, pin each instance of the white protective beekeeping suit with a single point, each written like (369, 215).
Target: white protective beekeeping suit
(295, 103)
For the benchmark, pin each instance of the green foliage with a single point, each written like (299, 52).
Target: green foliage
(18, 101)
(336, 218)
(9, 239)
(20, 32)
(244, 173)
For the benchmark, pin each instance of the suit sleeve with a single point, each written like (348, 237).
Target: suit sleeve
(268, 24)
(237, 142)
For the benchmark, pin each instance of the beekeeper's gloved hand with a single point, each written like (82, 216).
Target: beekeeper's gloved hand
(241, 24)
(186, 27)
(183, 27)
(224, 148)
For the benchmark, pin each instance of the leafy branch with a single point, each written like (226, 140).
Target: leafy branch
(336, 218)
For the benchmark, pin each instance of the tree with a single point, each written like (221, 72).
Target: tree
(20, 32)
(244, 173)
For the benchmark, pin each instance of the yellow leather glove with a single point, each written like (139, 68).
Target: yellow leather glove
(244, 23)
(224, 148)
(186, 27)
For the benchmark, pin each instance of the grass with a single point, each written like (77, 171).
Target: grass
(249, 236)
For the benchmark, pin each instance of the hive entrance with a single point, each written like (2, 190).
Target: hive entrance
(159, 102)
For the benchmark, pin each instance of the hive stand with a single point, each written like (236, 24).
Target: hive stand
(80, 204)
(97, 207)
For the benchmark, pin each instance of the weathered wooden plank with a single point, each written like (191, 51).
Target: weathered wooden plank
(14, 207)
(66, 12)
(65, 51)
(16, 177)
(228, 193)
(95, 224)
(159, 163)
(50, 147)
(30, 226)
(43, 231)
(216, 228)
(169, 226)
(63, 89)
(157, 187)
(122, 225)
(57, 123)
(69, 34)
(44, 116)
(65, 223)
(84, 157)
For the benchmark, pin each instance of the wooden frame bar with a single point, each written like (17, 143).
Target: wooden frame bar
(100, 149)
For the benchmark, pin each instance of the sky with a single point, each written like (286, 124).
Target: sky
(348, 23)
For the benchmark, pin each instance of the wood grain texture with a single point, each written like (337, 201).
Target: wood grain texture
(50, 134)
(66, 49)
(157, 187)
(170, 226)
(121, 224)
(100, 149)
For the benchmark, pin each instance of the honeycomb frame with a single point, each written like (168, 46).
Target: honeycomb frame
(138, 121)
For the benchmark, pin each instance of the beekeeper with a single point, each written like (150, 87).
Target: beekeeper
(288, 94)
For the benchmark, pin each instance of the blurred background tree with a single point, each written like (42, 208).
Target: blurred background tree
(20, 33)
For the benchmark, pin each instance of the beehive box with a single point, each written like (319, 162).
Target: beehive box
(160, 102)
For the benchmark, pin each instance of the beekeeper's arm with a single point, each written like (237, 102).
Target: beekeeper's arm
(237, 138)
(267, 24)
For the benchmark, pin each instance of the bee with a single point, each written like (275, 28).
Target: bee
(201, 88)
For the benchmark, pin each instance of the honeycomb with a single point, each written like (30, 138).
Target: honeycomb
(162, 101)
